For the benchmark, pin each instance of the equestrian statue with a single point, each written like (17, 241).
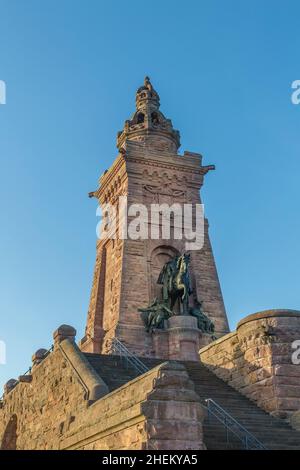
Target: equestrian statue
(176, 290)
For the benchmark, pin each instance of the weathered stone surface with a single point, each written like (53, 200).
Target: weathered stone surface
(64, 404)
(257, 360)
(53, 411)
(10, 385)
(96, 388)
(38, 356)
(25, 378)
(148, 170)
(295, 420)
(180, 340)
(63, 332)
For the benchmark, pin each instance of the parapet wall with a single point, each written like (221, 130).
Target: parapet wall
(45, 408)
(158, 410)
(256, 360)
(64, 404)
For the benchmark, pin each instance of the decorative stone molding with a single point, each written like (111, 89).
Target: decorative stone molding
(123, 275)
(148, 124)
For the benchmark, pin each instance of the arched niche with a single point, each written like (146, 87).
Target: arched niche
(159, 257)
(9, 439)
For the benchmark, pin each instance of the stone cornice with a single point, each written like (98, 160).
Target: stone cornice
(106, 178)
(182, 166)
(188, 164)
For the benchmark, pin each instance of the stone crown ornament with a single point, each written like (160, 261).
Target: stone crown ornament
(148, 124)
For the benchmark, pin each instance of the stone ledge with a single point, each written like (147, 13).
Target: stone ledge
(269, 314)
(98, 430)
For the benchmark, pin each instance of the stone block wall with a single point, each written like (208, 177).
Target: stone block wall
(45, 408)
(256, 360)
(158, 410)
(126, 271)
(64, 404)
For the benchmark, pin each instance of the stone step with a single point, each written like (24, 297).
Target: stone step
(264, 427)
(272, 432)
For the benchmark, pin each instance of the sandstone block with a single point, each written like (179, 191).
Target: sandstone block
(63, 332)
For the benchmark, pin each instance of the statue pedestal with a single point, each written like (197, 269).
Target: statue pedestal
(184, 338)
(180, 340)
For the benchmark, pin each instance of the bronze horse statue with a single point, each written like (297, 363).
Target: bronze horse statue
(176, 288)
(175, 279)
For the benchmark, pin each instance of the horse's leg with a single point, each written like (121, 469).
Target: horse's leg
(180, 302)
(176, 298)
(182, 298)
(184, 292)
(185, 303)
(172, 302)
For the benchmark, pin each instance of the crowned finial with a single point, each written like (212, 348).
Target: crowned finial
(148, 124)
(147, 83)
(146, 96)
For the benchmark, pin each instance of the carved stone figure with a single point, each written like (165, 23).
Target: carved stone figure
(148, 84)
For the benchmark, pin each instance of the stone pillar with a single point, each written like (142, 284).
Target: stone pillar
(184, 338)
(161, 344)
(172, 410)
(180, 339)
(63, 332)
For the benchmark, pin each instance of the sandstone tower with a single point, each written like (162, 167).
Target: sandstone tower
(148, 169)
(98, 397)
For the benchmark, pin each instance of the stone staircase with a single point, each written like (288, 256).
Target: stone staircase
(272, 432)
(113, 369)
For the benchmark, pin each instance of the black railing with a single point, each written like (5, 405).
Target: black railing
(248, 440)
(129, 358)
(28, 372)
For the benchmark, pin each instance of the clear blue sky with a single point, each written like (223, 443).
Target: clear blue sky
(223, 70)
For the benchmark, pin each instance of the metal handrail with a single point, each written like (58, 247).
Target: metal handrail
(119, 349)
(30, 368)
(49, 351)
(249, 441)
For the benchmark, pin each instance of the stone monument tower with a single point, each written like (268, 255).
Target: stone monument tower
(148, 170)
